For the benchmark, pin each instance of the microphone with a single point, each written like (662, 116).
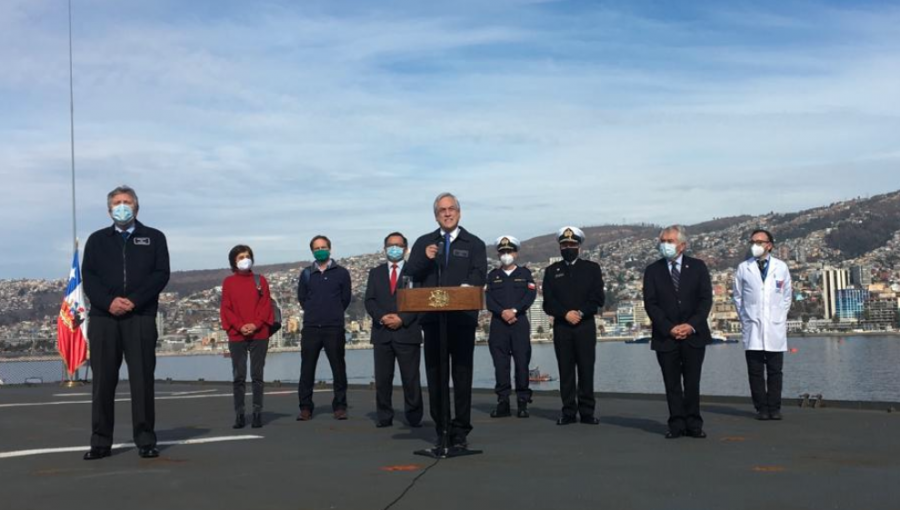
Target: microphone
(440, 253)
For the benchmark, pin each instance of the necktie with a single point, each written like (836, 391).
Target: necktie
(393, 278)
(447, 249)
(763, 267)
(125, 235)
(676, 275)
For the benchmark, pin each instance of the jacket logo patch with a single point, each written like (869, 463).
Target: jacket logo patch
(460, 253)
(142, 241)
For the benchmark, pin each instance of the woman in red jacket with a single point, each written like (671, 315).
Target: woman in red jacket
(246, 315)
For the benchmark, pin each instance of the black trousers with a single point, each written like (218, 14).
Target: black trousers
(514, 340)
(683, 365)
(765, 389)
(257, 350)
(134, 337)
(576, 354)
(461, 344)
(312, 341)
(408, 357)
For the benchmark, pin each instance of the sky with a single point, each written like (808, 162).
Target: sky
(266, 123)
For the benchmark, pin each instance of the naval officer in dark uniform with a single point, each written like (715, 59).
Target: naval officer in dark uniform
(573, 295)
(510, 293)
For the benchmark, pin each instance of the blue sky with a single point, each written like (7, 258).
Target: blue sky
(269, 122)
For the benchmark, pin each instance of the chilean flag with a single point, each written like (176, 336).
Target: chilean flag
(71, 326)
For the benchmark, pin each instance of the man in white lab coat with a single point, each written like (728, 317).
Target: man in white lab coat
(763, 296)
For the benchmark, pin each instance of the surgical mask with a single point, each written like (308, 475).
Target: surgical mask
(569, 254)
(668, 250)
(322, 255)
(122, 214)
(507, 259)
(757, 251)
(245, 264)
(394, 253)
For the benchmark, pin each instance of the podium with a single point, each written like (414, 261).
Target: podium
(442, 300)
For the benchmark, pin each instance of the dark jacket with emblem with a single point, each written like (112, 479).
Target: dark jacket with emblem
(136, 269)
(516, 290)
(690, 305)
(468, 265)
(577, 286)
(380, 302)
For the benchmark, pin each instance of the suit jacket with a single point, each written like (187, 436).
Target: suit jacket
(380, 302)
(667, 309)
(468, 265)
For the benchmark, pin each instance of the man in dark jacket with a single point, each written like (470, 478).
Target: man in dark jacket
(395, 336)
(324, 294)
(510, 293)
(678, 298)
(463, 262)
(573, 295)
(125, 268)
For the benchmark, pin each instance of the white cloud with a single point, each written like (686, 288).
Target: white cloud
(276, 125)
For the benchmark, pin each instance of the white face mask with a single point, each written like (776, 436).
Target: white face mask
(507, 259)
(757, 251)
(245, 264)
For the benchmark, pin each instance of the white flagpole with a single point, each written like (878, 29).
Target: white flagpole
(72, 128)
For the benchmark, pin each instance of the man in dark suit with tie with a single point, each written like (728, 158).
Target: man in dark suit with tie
(395, 336)
(463, 262)
(678, 298)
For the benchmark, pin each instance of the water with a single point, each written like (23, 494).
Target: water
(840, 368)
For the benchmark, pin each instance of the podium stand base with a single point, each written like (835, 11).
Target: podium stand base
(447, 453)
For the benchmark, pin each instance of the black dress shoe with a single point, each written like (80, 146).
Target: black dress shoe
(384, 423)
(97, 453)
(673, 434)
(148, 452)
(762, 416)
(502, 410)
(566, 420)
(775, 415)
(590, 420)
(697, 434)
(522, 411)
(239, 421)
(256, 421)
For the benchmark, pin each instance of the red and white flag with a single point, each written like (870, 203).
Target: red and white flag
(71, 326)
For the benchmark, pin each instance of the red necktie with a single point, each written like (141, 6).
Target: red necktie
(393, 278)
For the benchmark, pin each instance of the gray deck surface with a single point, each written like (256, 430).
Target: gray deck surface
(815, 459)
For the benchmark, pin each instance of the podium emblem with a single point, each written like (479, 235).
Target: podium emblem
(438, 299)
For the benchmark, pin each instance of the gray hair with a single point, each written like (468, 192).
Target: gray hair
(122, 190)
(678, 229)
(443, 196)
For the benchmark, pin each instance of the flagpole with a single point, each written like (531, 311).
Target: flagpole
(72, 129)
(70, 381)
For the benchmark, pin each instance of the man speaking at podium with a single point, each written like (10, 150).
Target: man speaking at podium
(461, 260)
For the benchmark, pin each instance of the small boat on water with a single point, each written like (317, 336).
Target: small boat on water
(641, 338)
(535, 375)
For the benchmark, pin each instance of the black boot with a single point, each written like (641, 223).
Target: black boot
(257, 420)
(239, 421)
(502, 409)
(523, 409)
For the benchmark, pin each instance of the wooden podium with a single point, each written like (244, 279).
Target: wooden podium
(441, 300)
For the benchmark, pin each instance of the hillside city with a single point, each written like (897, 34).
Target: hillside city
(833, 292)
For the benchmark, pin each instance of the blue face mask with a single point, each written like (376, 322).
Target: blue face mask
(668, 250)
(122, 214)
(394, 253)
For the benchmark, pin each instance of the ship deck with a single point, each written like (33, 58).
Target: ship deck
(841, 456)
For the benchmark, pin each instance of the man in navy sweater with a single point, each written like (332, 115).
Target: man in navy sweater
(324, 295)
(125, 268)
